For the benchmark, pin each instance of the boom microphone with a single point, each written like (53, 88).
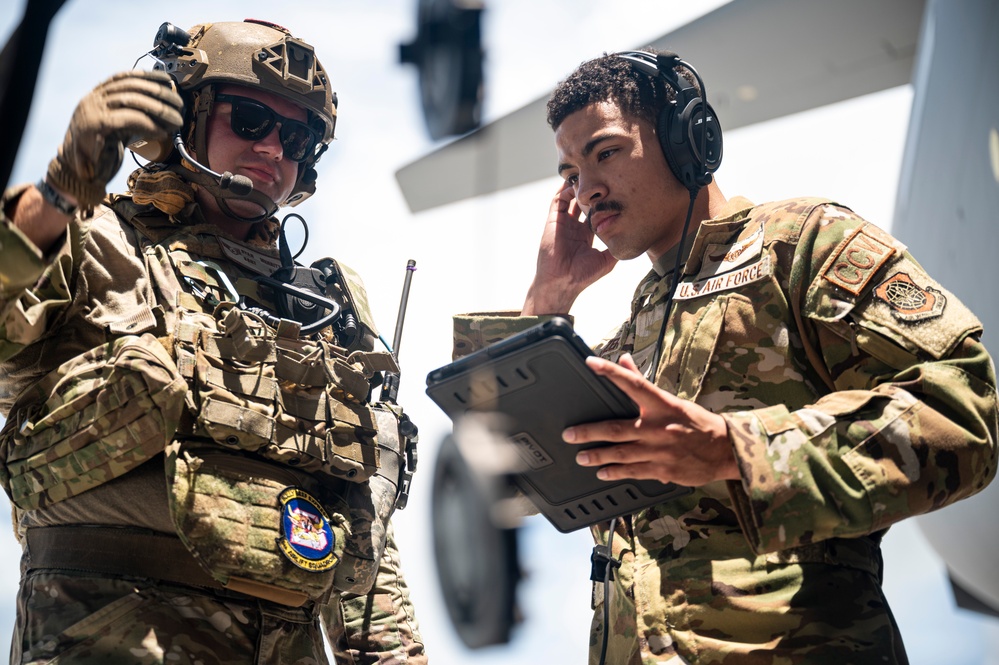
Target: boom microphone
(239, 185)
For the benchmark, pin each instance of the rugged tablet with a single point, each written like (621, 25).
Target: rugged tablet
(539, 382)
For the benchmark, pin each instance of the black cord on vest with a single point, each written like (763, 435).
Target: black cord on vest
(602, 564)
(672, 289)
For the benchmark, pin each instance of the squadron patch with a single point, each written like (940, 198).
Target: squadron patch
(306, 536)
(909, 301)
(858, 261)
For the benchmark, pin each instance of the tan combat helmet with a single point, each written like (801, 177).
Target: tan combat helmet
(255, 54)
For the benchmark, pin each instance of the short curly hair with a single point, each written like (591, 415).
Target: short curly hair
(612, 78)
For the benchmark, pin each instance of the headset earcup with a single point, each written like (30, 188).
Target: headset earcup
(672, 131)
(686, 127)
(711, 159)
(683, 124)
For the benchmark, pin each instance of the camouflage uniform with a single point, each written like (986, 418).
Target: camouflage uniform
(167, 434)
(857, 393)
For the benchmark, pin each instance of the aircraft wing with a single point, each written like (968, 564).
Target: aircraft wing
(760, 60)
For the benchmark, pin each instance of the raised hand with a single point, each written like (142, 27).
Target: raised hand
(128, 106)
(567, 260)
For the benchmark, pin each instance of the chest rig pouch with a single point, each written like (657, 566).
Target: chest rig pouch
(284, 478)
(92, 419)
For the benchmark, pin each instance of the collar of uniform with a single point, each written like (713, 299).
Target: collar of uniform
(657, 283)
(719, 229)
(733, 212)
(644, 291)
(191, 224)
(663, 266)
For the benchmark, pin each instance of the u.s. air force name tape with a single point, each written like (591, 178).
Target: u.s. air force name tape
(730, 280)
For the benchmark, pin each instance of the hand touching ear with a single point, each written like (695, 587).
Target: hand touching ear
(567, 260)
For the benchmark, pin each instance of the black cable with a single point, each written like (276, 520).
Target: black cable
(609, 553)
(305, 241)
(672, 289)
(145, 167)
(607, 577)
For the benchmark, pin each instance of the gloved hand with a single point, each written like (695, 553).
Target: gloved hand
(128, 106)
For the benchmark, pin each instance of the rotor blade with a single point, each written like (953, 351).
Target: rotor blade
(759, 59)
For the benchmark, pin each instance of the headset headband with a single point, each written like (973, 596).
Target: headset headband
(688, 129)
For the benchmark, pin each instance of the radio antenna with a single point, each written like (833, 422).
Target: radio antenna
(390, 389)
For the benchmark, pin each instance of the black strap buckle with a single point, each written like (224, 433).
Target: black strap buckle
(602, 564)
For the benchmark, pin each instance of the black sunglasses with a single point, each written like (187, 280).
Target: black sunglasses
(252, 120)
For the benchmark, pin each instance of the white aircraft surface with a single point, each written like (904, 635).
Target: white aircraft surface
(842, 99)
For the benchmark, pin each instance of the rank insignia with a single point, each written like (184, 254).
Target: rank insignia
(722, 258)
(306, 536)
(909, 301)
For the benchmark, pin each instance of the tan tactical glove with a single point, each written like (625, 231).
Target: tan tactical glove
(128, 106)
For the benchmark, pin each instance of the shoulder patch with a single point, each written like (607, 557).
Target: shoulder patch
(908, 301)
(915, 311)
(858, 259)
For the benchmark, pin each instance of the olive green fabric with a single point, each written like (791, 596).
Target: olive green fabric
(94, 418)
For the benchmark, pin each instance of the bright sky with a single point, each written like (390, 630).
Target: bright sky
(479, 255)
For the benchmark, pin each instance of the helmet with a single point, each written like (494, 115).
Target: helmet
(255, 54)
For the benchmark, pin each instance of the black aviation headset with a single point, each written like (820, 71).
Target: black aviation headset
(688, 128)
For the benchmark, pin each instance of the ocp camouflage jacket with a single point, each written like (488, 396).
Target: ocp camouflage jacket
(857, 393)
(125, 346)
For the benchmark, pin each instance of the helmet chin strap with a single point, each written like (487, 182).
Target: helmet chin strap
(227, 187)
(270, 209)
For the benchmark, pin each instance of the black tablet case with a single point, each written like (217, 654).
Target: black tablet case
(538, 380)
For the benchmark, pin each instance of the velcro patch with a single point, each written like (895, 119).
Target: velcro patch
(247, 258)
(858, 260)
(909, 301)
(307, 538)
(730, 280)
(721, 258)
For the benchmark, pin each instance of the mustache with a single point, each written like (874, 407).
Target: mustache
(613, 206)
